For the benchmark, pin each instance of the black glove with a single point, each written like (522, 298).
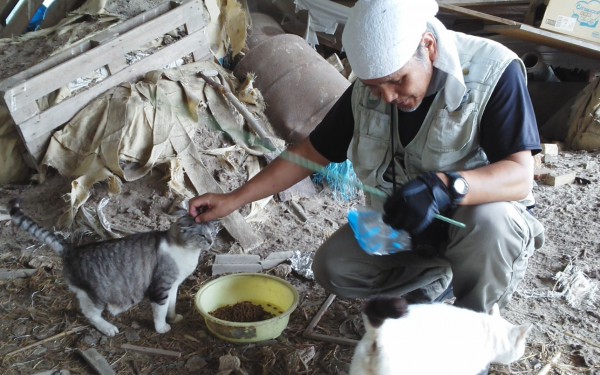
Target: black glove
(413, 208)
(428, 243)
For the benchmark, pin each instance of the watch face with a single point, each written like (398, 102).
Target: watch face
(460, 186)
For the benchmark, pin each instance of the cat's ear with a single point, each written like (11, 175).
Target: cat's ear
(523, 330)
(518, 333)
(495, 310)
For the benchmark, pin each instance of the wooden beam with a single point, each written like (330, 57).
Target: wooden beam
(54, 78)
(85, 45)
(23, 14)
(529, 33)
(469, 3)
(548, 38)
(58, 10)
(6, 7)
(475, 14)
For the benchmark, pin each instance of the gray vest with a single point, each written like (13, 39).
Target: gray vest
(447, 140)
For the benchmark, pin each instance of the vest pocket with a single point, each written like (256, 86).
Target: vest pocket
(371, 136)
(453, 131)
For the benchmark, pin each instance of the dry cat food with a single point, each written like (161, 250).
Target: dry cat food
(242, 312)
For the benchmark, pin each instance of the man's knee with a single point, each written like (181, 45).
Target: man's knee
(323, 263)
(483, 216)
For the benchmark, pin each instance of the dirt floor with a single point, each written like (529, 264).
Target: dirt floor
(42, 330)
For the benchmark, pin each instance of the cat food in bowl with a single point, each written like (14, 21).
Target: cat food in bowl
(246, 307)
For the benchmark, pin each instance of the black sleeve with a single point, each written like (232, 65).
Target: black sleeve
(332, 136)
(508, 123)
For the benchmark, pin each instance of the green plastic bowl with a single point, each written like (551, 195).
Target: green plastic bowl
(274, 294)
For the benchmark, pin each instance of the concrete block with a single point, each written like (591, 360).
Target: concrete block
(549, 149)
(537, 161)
(558, 180)
(550, 158)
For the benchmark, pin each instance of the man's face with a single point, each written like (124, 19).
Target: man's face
(407, 87)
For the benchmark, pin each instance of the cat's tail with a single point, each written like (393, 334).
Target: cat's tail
(27, 224)
(380, 308)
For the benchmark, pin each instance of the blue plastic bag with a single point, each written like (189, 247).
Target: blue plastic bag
(374, 236)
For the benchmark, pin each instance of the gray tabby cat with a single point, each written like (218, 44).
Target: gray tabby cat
(117, 274)
(436, 338)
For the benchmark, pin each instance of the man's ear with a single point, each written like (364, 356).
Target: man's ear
(428, 41)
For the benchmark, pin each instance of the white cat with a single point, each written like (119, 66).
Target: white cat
(433, 339)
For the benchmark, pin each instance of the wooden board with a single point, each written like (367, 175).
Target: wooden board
(86, 44)
(468, 3)
(6, 7)
(24, 12)
(204, 182)
(475, 14)
(548, 38)
(108, 49)
(529, 33)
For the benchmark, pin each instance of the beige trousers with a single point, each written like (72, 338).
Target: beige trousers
(484, 262)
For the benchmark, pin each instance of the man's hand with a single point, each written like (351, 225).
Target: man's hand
(413, 208)
(209, 207)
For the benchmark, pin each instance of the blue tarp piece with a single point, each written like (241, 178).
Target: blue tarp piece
(38, 18)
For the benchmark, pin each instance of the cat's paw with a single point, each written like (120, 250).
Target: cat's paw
(107, 328)
(163, 328)
(176, 319)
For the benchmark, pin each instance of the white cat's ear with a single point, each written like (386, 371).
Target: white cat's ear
(495, 310)
(524, 330)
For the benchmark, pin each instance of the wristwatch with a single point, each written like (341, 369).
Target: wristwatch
(458, 187)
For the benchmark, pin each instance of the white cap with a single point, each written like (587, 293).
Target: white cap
(380, 36)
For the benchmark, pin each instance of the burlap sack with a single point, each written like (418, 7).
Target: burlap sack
(584, 128)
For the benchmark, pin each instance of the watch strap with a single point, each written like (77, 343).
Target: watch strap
(456, 196)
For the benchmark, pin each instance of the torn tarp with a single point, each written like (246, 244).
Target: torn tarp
(134, 127)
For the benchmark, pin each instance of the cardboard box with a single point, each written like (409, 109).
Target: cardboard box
(578, 18)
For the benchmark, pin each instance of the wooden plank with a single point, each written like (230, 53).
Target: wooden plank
(58, 10)
(151, 351)
(551, 56)
(468, 3)
(36, 131)
(86, 44)
(548, 38)
(23, 14)
(25, 111)
(204, 182)
(475, 14)
(6, 7)
(59, 76)
(48, 63)
(97, 361)
(530, 33)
